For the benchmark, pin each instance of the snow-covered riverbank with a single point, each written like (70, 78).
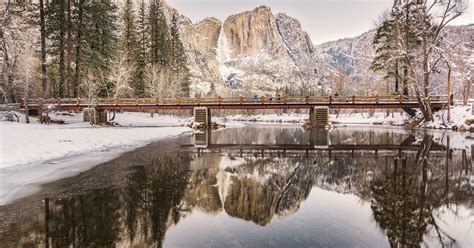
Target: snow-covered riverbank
(23, 144)
(34, 154)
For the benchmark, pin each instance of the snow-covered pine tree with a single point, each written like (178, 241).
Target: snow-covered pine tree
(99, 41)
(56, 29)
(129, 46)
(139, 74)
(179, 58)
(128, 42)
(159, 34)
(44, 82)
(393, 38)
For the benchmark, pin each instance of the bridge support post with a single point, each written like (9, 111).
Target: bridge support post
(202, 115)
(319, 117)
(94, 116)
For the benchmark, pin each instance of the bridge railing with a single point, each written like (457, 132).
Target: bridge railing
(232, 100)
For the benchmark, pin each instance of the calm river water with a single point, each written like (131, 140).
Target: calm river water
(262, 187)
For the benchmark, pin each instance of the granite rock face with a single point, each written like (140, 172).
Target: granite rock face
(253, 51)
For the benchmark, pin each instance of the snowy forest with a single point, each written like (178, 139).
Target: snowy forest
(410, 47)
(82, 48)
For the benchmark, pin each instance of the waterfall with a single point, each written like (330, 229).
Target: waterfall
(223, 54)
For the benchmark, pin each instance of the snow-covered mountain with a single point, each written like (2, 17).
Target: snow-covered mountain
(250, 51)
(353, 56)
(257, 52)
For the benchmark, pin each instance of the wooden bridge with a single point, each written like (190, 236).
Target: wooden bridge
(286, 102)
(207, 104)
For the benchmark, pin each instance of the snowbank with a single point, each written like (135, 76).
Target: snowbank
(23, 144)
(461, 119)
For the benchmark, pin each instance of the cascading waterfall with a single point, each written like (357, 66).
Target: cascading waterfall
(223, 54)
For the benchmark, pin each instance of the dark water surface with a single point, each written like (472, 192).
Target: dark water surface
(262, 187)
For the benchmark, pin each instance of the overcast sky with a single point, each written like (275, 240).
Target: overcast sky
(324, 20)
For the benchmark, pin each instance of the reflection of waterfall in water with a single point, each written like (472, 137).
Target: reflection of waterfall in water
(223, 185)
(223, 178)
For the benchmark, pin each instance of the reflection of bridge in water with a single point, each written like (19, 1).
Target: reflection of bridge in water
(319, 144)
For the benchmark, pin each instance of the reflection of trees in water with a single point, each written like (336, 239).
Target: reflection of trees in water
(295, 136)
(405, 196)
(138, 213)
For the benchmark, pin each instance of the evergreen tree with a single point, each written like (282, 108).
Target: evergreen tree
(44, 83)
(129, 36)
(131, 46)
(159, 35)
(139, 73)
(386, 47)
(100, 40)
(179, 58)
(69, 47)
(393, 39)
(79, 47)
(56, 32)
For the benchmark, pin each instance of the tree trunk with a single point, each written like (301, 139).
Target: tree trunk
(27, 117)
(77, 75)
(69, 50)
(43, 51)
(62, 64)
(405, 81)
(397, 78)
(426, 104)
(449, 91)
(466, 91)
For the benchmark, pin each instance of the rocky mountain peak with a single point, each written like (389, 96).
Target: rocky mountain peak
(253, 50)
(253, 32)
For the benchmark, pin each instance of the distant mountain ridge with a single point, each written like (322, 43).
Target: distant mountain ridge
(259, 52)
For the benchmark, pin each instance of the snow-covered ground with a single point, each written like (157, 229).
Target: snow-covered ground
(461, 117)
(23, 144)
(33, 153)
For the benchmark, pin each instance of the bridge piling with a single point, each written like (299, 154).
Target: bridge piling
(202, 115)
(319, 117)
(94, 116)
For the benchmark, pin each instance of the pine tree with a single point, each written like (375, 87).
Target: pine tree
(179, 58)
(69, 47)
(393, 38)
(159, 35)
(79, 47)
(99, 41)
(44, 83)
(129, 36)
(56, 31)
(386, 47)
(131, 47)
(139, 73)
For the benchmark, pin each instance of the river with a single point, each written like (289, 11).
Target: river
(262, 186)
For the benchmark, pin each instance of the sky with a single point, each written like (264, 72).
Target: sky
(324, 20)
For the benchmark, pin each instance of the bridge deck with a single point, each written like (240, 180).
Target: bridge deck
(366, 102)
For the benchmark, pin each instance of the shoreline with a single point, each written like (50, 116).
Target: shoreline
(19, 182)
